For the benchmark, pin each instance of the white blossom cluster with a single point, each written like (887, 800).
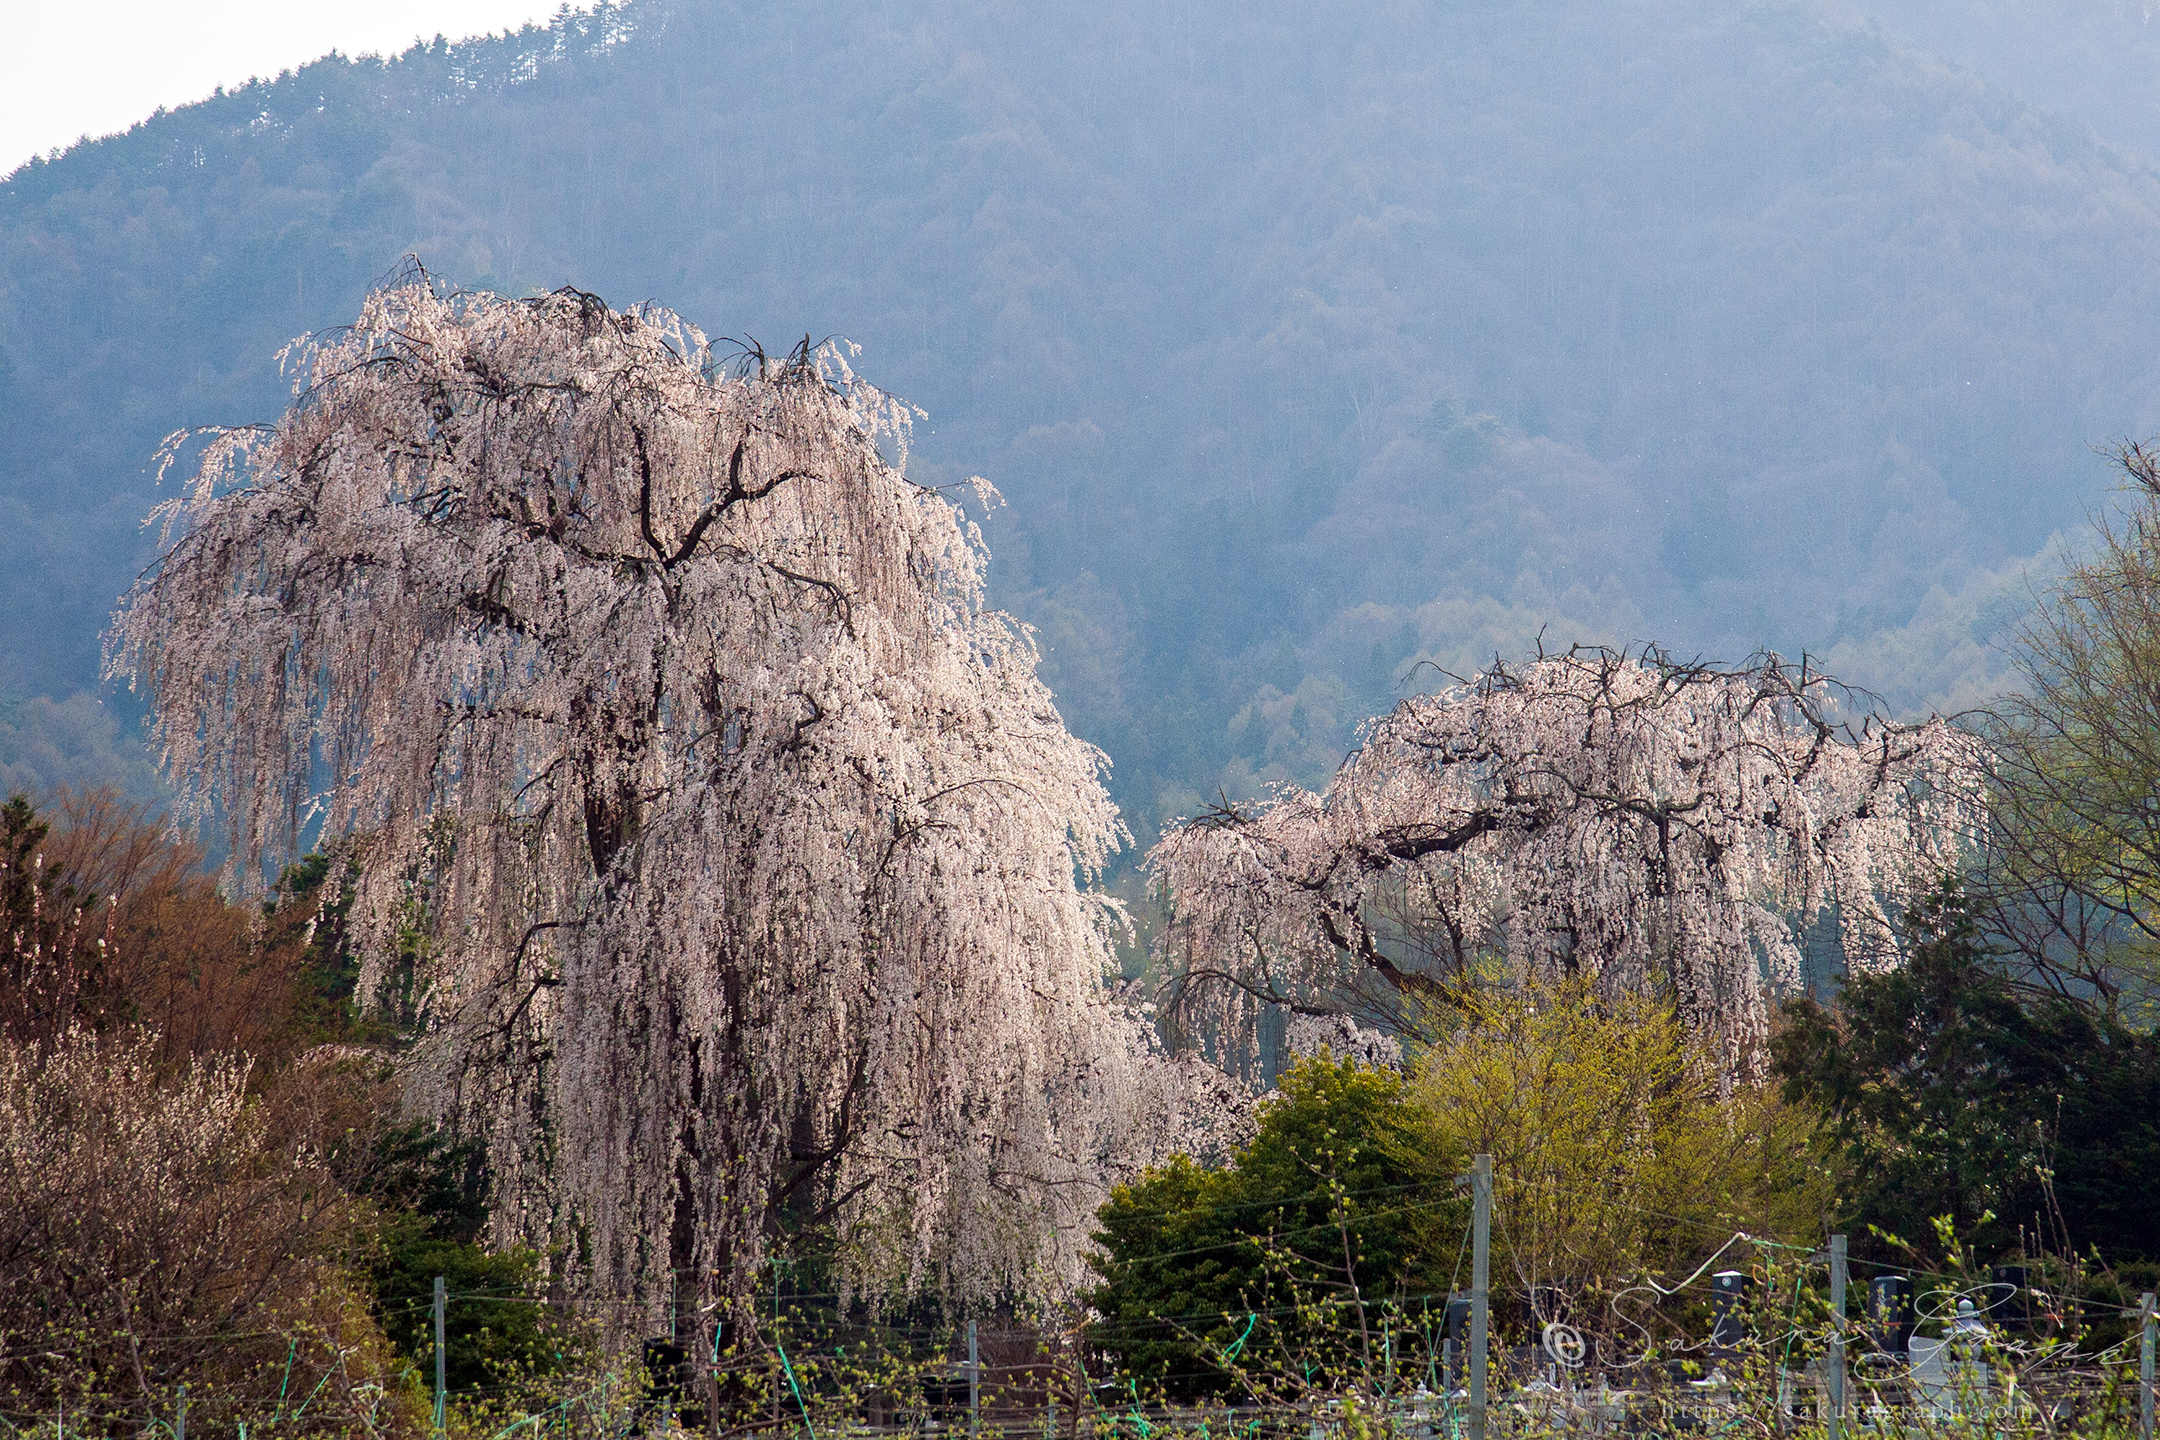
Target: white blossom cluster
(1652, 827)
(741, 850)
(88, 1127)
(155, 1127)
(43, 939)
(1343, 1038)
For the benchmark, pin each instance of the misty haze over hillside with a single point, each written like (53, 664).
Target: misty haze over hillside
(1306, 346)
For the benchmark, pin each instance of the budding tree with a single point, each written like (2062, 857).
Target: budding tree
(736, 840)
(1653, 828)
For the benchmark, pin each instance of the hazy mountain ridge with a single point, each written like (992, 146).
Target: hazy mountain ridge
(1305, 351)
(2090, 61)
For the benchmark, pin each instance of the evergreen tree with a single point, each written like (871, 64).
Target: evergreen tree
(2026, 1121)
(1301, 1251)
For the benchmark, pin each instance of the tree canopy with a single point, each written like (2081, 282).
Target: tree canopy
(2029, 1123)
(1294, 1255)
(1325, 1253)
(1622, 1150)
(2072, 882)
(661, 718)
(1656, 828)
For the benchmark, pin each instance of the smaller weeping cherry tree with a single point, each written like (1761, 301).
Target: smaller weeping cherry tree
(661, 716)
(1654, 828)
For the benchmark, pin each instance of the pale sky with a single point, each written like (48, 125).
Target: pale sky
(74, 67)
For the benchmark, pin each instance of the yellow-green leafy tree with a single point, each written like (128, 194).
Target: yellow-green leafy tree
(1619, 1150)
(2073, 881)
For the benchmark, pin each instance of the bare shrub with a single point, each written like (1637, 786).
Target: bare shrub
(111, 920)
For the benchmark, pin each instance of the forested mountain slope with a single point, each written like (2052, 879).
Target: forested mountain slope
(1304, 343)
(2089, 60)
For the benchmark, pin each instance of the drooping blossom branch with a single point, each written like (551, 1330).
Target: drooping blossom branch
(737, 849)
(1660, 828)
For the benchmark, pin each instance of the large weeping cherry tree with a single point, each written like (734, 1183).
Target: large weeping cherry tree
(660, 716)
(1655, 828)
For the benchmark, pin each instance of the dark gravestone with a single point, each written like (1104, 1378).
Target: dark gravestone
(1458, 1341)
(667, 1386)
(1889, 1310)
(2009, 1298)
(1728, 1288)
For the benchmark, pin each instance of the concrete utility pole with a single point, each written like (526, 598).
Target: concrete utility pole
(180, 1419)
(442, 1302)
(2146, 1314)
(1480, 1286)
(1837, 1337)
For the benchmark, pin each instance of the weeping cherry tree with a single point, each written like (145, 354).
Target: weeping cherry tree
(741, 851)
(1651, 827)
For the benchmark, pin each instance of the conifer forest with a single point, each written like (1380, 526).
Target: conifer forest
(1215, 722)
